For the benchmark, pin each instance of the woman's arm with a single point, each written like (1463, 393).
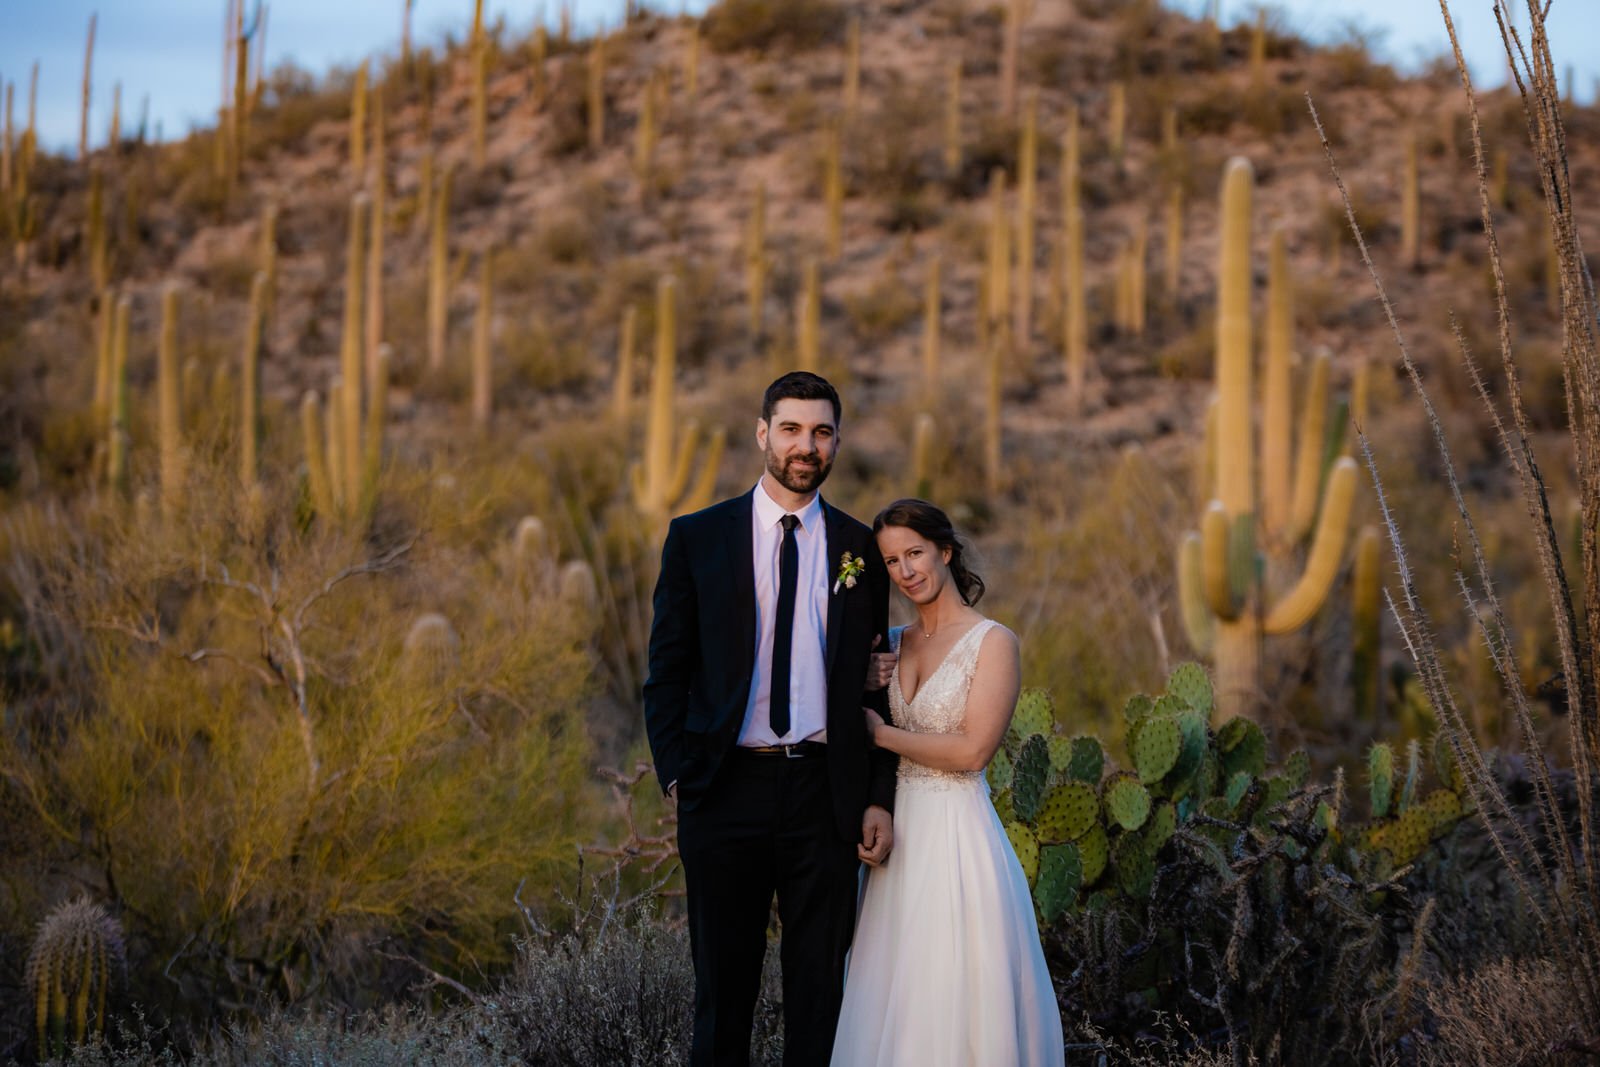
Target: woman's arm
(990, 702)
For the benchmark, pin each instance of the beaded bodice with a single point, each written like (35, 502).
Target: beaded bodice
(940, 704)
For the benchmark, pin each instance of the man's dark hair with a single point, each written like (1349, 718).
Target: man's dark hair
(799, 385)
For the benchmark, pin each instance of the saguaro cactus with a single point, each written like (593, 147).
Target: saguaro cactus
(661, 481)
(931, 308)
(88, 66)
(808, 317)
(922, 456)
(622, 387)
(952, 119)
(439, 274)
(117, 436)
(1117, 120)
(358, 125)
(1411, 208)
(170, 433)
(833, 191)
(318, 479)
(1010, 52)
(372, 334)
(596, 96)
(1075, 303)
(852, 66)
(1027, 205)
(352, 361)
(1231, 571)
(482, 353)
(755, 258)
(250, 381)
(480, 88)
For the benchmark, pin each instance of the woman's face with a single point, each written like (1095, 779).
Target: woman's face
(917, 566)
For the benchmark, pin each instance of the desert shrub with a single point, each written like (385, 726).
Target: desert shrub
(1511, 1011)
(263, 772)
(880, 310)
(737, 25)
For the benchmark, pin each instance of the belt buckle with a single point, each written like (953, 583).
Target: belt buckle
(789, 751)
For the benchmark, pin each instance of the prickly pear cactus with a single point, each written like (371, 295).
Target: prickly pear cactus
(1029, 777)
(1155, 746)
(999, 771)
(1126, 801)
(1035, 714)
(1380, 773)
(1189, 683)
(1088, 760)
(1026, 846)
(1068, 812)
(1060, 879)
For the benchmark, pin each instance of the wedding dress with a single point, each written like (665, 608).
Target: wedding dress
(946, 966)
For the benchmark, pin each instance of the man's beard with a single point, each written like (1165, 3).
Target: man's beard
(798, 481)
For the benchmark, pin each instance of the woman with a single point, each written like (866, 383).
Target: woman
(946, 966)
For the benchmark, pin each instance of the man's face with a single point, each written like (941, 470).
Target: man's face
(799, 442)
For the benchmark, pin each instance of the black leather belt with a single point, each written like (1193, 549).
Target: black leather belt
(798, 750)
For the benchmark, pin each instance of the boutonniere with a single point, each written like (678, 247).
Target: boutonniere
(850, 568)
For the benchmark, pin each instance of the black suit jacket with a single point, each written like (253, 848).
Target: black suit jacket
(703, 652)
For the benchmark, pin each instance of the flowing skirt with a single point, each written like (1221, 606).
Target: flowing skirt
(946, 966)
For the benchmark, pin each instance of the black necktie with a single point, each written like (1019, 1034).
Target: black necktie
(783, 632)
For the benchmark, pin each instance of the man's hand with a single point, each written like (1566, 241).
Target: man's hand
(880, 666)
(877, 836)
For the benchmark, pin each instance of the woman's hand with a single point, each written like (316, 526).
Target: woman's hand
(880, 667)
(874, 723)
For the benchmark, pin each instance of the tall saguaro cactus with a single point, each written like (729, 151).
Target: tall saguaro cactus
(661, 480)
(439, 273)
(88, 66)
(1231, 573)
(755, 258)
(1075, 303)
(1027, 204)
(167, 404)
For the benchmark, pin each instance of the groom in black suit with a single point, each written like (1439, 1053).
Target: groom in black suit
(758, 660)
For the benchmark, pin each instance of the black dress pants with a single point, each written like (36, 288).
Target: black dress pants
(766, 827)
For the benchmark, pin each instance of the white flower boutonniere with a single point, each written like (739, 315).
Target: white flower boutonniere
(850, 568)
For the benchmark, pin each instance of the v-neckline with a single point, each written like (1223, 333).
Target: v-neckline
(923, 683)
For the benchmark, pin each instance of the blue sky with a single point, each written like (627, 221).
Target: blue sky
(171, 50)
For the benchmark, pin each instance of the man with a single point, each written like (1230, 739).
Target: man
(758, 659)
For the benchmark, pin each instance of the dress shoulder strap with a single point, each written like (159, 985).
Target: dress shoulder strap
(971, 642)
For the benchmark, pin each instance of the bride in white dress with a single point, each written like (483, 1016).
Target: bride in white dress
(946, 966)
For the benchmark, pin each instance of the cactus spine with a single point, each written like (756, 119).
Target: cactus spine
(88, 66)
(808, 317)
(1229, 561)
(661, 480)
(952, 119)
(439, 273)
(170, 437)
(833, 185)
(596, 96)
(482, 391)
(1027, 202)
(250, 382)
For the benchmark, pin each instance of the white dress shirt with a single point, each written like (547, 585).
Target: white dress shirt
(808, 669)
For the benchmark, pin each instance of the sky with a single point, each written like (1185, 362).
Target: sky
(170, 50)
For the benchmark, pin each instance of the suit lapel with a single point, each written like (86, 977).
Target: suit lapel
(742, 563)
(835, 540)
